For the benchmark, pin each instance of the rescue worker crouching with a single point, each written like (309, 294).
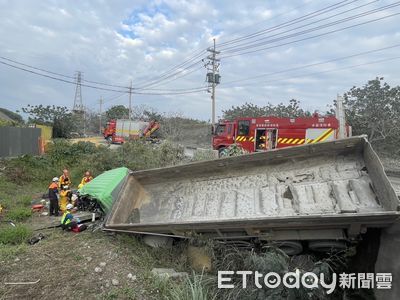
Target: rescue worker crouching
(67, 220)
(53, 197)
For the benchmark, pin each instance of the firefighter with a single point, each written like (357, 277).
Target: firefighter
(64, 197)
(64, 179)
(53, 196)
(67, 220)
(86, 179)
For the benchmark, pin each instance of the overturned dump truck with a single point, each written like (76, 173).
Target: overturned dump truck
(322, 194)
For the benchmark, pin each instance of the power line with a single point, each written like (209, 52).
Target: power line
(268, 20)
(312, 29)
(314, 36)
(319, 72)
(285, 24)
(58, 74)
(60, 79)
(102, 83)
(167, 92)
(311, 65)
(172, 79)
(174, 70)
(237, 47)
(165, 77)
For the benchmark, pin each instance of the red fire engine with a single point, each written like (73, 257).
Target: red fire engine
(266, 133)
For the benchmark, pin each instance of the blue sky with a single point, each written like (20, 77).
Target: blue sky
(118, 41)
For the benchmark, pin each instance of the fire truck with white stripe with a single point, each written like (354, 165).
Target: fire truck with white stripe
(267, 133)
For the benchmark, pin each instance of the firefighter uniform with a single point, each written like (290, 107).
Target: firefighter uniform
(64, 199)
(64, 180)
(67, 219)
(53, 197)
(85, 179)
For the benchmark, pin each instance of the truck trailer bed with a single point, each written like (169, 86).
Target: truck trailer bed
(331, 190)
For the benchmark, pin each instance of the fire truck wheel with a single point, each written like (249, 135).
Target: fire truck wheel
(109, 140)
(222, 152)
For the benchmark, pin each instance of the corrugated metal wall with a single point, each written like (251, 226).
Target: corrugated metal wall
(15, 141)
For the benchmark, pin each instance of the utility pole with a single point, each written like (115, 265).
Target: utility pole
(130, 101)
(213, 77)
(340, 115)
(101, 101)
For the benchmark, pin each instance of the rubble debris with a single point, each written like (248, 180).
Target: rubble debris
(114, 282)
(36, 238)
(131, 277)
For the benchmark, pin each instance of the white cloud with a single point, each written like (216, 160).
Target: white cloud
(114, 41)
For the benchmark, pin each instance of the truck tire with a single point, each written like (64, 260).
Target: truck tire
(289, 247)
(222, 152)
(109, 140)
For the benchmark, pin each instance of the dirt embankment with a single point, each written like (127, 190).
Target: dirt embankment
(81, 266)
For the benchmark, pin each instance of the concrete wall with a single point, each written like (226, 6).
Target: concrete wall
(15, 141)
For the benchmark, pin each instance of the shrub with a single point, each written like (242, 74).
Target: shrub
(137, 155)
(14, 235)
(233, 150)
(200, 155)
(61, 152)
(26, 169)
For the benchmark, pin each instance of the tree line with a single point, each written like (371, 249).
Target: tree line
(372, 109)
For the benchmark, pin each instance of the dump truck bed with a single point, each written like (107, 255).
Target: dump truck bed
(329, 190)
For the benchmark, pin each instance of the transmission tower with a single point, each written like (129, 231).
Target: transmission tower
(78, 104)
(213, 77)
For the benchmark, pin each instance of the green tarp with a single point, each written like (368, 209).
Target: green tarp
(102, 187)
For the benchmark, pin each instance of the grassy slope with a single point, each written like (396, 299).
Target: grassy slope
(61, 260)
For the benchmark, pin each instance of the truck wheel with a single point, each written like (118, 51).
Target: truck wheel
(222, 152)
(289, 247)
(109, 139)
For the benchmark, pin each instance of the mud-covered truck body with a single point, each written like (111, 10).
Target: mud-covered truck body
(328, 191)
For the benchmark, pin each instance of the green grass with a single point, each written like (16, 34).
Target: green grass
(14, 235)
(19, 214)
(196, 287)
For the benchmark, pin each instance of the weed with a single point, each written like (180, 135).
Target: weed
(195, 287)
(19, 214)
(14, 235)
